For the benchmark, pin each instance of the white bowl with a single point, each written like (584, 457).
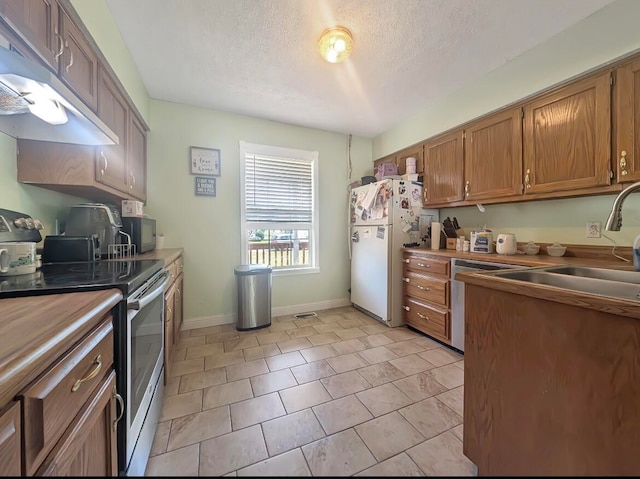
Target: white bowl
(556, 250)
(531, 249)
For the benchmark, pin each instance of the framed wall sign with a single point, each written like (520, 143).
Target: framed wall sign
(204, 161)
(205, 186)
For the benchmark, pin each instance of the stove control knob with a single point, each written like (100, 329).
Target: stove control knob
(30, 224)
(20, 223)
(38, 224)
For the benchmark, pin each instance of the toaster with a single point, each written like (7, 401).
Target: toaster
(68, 249)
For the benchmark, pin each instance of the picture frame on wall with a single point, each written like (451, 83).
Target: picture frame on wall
(204, 161)
(205, 186)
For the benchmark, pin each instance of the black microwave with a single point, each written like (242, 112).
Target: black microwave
(142, 232)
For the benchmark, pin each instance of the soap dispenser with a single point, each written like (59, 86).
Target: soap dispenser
(636, 253)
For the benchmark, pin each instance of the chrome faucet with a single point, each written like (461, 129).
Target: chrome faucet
(614, 222)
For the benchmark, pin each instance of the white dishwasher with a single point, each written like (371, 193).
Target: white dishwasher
(457, 293)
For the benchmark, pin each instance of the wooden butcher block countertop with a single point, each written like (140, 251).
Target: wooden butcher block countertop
(603, 261)
(36, 330)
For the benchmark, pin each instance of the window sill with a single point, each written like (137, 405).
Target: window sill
(295, 271)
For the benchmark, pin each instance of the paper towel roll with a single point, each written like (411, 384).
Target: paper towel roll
(435, 235)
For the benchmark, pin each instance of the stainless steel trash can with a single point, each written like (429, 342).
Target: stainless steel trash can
(254, 296)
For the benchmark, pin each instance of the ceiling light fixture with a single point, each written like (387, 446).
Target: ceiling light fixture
(335, 44)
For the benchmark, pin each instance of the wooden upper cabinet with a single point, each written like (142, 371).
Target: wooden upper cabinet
(627, 115)
(493, 156)
(567, 137)
(137, 159)
(37, 22)
(111, 160)
(79, 67)
(443, 169)
(413, 152)
(10, 443)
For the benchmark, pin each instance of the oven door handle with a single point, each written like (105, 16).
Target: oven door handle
(138, 304)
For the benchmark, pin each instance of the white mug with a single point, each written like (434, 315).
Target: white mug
(17, 258)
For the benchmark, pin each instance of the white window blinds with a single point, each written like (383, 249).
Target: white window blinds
(278, 190)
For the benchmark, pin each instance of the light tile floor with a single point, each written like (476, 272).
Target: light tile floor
(337, 394)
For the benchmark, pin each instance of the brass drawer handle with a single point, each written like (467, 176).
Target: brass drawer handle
(527, 181)
(60, 43)
(423, 288)
(121, 403)
(466, 188)
(406, 308)
(92, 374)
(424, 265)
(407, 261)
(422, 316)
(406, 280)
(170, 315)
(623, 163)
(70, 57)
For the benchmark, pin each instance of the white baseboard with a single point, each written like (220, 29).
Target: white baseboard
(206, 321)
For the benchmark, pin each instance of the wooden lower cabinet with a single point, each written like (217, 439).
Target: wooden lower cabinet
(88, 446)
(427, 294)
(550, 389)
(169, 335)
(10, 441)
(173, 307)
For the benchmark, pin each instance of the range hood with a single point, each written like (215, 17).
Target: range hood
(36, 105)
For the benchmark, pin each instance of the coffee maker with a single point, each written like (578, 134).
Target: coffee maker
(101, 220)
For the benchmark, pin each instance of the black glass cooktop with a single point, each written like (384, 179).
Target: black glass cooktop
(71, 277)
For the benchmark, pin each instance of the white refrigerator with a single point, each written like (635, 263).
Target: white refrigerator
(382, 215)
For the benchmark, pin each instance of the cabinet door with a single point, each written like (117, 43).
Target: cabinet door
(568, 137)
(414, 152)
(177, 310)
(10, 441)
(37, 23)
(169, 339)
(493, 157)
(79, 67)
(137, 159)
(88, 446)
(380, 161)
(443, 169)
(628, 122)
(111, 164)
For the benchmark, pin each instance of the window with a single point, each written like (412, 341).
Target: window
(279, 208)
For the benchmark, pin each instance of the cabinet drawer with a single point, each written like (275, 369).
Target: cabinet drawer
(52, 402)
(173, 273)
(427, 264)
(426, 319)
(427, 288)
(10, 441)
(179, 265)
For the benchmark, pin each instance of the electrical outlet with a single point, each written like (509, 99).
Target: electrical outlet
(594, 229)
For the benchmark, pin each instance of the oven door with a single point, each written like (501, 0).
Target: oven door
(145, 356)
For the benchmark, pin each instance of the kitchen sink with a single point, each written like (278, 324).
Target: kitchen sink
(597, 273)
(614, 288)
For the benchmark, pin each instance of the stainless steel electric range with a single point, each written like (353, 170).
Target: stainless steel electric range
(138, 332)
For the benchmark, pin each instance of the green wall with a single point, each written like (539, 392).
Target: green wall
(37, 202)
(605, 35)
(209, 228)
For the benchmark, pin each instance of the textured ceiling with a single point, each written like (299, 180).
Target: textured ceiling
(260, 57)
